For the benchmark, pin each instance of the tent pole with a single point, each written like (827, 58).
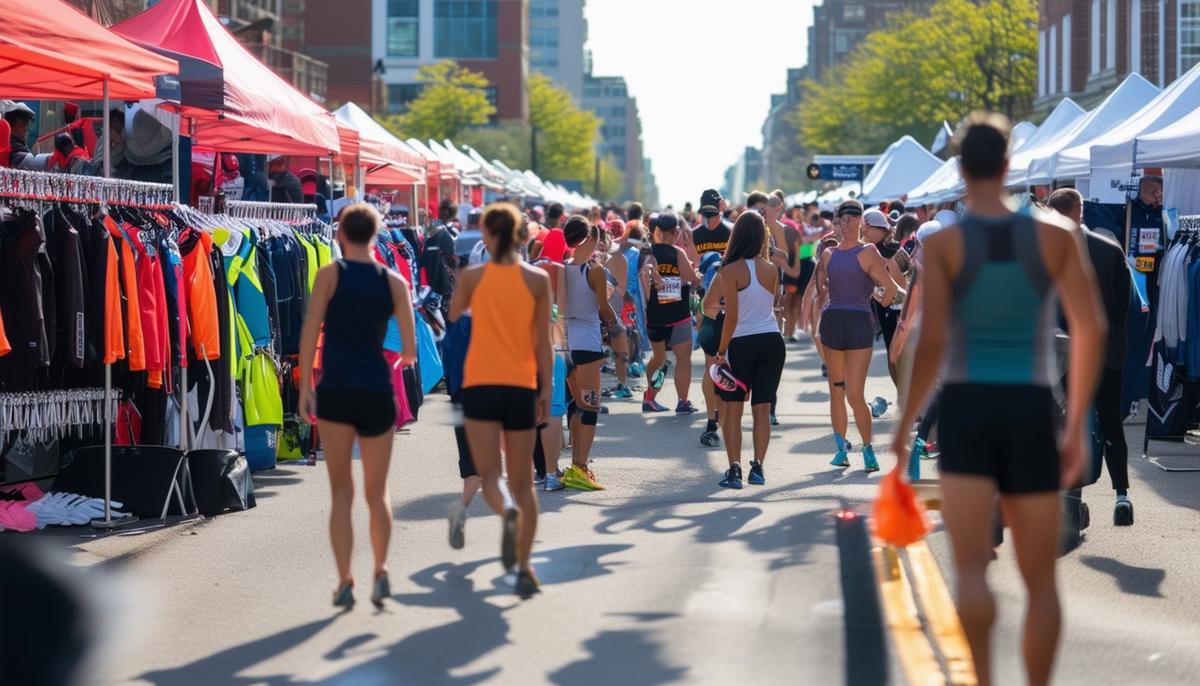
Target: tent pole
(107, 522)
(175, 154)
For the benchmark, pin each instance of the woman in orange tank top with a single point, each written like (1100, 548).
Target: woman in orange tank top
(506, 380)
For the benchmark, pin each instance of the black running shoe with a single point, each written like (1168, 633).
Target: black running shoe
(508, 540)
(380, 590)
(527, 584)
(733, 477)
(756, 477)
(343, 597)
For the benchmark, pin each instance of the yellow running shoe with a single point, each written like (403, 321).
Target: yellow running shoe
(580, 479)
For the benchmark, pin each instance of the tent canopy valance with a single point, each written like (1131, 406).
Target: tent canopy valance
(234, 102)
(49, 49)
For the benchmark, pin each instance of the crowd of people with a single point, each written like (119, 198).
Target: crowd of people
(544, 306)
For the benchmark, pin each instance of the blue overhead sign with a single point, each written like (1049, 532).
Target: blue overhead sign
(837, 172)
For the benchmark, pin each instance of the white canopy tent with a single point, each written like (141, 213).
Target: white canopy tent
(1046, 163)
(1064, 116)
(1021, 133)
(943, 185)
(1113, 150)
(892, 176)
(830, 199)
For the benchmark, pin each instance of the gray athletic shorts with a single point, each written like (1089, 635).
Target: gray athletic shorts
(847, 329)
(671, 335)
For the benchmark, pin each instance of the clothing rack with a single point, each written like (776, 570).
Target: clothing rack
(288, 212)
(33, 188)
(55, 413)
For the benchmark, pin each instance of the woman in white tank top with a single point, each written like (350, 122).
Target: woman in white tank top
(750, 344)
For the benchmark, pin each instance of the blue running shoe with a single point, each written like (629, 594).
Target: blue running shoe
(841, 459)
(622, 392)
(870, 464)
(733, 477)
(756, 477)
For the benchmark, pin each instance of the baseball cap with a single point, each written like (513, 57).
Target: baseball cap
(308, 181)
(928, 228)
(665, 221)
(850, 208)
(15, 109)
(876, 219)
(710, 202)
(946, 218)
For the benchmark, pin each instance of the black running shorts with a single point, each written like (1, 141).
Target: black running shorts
(514, 408)
(371, 413)
(582, 357)
(1005, 433)
(677, 334)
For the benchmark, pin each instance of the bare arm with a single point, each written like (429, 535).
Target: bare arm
(599, 284)
(819, 277)
(687, 270)
(712, 297)
(880, 274)
(620, 271)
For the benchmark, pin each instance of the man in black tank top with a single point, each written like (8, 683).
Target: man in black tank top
(669, 316)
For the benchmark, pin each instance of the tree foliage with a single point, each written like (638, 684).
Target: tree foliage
(921, 70)
(566, 133)
(453, 98)
(612, 182)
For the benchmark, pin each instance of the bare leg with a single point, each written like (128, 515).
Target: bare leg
(683, 369)
(338, 440)
(762, 430)
(620, 348)
(552, 444)
(376, 458)
(1034, 519)
(484, 439)
(731, 431)
(967, 504)
(586, 391)
(836, 361)
(857, 364)
(471, 486)
(519, 460)
(658, 357)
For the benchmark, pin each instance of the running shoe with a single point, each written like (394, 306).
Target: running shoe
(649, 404)
(710, 439)
(733, 477)
(774, 420)
(685, 407)
(553, 483)
(1123, 513)
(458, 521)
(580, 479)
(656, 381)
(841, 459)
(539, 479)
(637, 369)
(622, 392)
(793, 339)
(527, 584)
(344, 596)
(608, 369)
(870, 464)
(508, 540)
(756, 478)
(381, 589)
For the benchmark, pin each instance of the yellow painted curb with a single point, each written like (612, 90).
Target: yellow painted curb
(900, 612)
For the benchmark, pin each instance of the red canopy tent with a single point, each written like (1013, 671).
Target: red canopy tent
(235, 103)
(49, 49)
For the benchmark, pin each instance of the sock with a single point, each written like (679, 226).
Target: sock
(841, 442)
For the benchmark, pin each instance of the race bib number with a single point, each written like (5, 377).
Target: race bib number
(671, 290)
(1144, 264)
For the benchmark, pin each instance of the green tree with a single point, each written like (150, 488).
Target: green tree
(612, 182)
(566, 134)
(921, 70)
(453, 98)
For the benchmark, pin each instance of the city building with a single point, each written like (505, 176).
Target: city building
(743, 176)
(1087, 47)
(649, 195)
(338, 34)
(620, 129)
(557, 32)
(487, 36)
(783, 161)
(840, 25)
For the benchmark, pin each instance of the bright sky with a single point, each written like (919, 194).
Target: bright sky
(703, 73)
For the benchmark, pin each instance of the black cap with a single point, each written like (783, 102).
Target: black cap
(710, 202)
(850, 208)
(667, 221)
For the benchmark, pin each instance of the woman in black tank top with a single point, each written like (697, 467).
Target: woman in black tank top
(669, 315)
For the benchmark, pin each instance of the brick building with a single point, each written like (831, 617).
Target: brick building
(840, 25)
(1086, 47)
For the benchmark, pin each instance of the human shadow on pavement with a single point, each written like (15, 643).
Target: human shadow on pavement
(628, 657)
(1143, 581)
(224, 667)
(429, 656)
(434, 507)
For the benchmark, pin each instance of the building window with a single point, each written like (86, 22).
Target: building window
(1135, 36)
(1066, 54)
(402, 28)
(465, 29)
(854, 12)
(1110, 36)
(1189, 34)
(1095, 36)
(401, 94)
(1052, 85)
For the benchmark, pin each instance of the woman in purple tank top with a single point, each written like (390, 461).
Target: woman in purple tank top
(846, 279)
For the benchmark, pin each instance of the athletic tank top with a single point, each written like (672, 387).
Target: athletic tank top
(756, 307)
(355, 326)
(502, 350)
(582, 317)
(672, 304)
(850, 287)
(1003, 305)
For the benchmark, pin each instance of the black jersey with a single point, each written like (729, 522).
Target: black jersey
(671, 304)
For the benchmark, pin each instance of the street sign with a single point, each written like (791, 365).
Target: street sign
(837, 172)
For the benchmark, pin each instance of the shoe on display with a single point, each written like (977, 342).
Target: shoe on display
(344, 596)
(649, 404)
(539, 479)
(458, 522)
(774, 420)
(733, 477)
(622, 392)
(756, 478)
(879, 407)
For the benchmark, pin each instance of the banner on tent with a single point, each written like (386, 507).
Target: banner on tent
(837, 172)
(1113, 186)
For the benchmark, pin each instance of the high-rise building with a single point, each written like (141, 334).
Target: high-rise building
(487, 36)
(557, 32)
(840, 25)
(1087, 47)
(620, 129)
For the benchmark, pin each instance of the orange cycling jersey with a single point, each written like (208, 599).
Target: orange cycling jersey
(202, 300)
(134, 342)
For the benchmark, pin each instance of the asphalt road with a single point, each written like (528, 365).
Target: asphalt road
(662, 578)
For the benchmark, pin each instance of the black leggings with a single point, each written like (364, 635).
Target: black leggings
(756, 360)
(1112, 428)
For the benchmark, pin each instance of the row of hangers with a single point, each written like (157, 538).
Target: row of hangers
(287, 212)
(268, 227)
(30, 188)
(54, 414)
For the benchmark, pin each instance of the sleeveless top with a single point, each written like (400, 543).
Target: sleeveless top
(503, 348)
(355, 326)
(582, 317)
(672, 305)
(756, 307)
(1003, 306)
(850, 286)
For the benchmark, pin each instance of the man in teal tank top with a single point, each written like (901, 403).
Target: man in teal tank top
(992, 285)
